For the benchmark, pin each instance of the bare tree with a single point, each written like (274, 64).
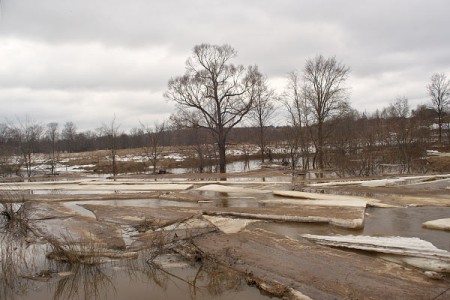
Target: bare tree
(68, 134)
(153, 146)
(221, 92)
(111, 131)
(53, 136)
(400, 128)
(6, 150)
(324, 91)
(205, 154)
(263, 111)
(27, 133)
(298, 114)
(439, 91)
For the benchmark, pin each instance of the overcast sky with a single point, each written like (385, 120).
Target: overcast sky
(86, 60)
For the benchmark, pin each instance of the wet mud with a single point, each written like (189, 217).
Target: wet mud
(318, 272)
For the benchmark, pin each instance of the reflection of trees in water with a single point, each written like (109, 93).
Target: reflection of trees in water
(210, 279)
(17, 258)
(216, 279)
(207, 278)
(83, 282)
(12, 263)
(139, 269)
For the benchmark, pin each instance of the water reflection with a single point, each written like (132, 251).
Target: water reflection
(81, 281)
(121, 279)
(216, 279)
(17, 255)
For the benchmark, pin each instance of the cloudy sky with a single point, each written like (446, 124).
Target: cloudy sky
(86, 60)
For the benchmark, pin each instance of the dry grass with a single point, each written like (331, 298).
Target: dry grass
(439, 164)
(83, 251)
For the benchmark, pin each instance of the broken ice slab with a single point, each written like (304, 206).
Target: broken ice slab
(231, 189)
(440, 224)
(229, 225)
(410, 250)
(97, 186)
(336, 200)
(382, 182)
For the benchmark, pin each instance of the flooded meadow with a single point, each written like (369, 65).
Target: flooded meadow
(258, 234)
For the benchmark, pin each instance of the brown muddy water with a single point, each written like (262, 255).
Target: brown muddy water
(116, 281)
(405, 222)
(28, 275)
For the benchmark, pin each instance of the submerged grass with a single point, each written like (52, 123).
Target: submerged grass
(85, 251)
(16, 257)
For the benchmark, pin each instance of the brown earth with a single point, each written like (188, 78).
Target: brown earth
(316, 271)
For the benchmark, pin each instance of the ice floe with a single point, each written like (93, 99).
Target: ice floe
(231, 189)
(410, 250)
(332, 200)
(381, 182)
(229, 225)
(441, 224)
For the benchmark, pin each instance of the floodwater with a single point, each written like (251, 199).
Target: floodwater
(139, 279)
(233, 167)
(26, 274)
(121, 281)
(125, 279)
(405, 222)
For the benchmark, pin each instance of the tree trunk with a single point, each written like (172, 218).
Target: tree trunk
(261, 142)
(222, 157)
(440, 128)
(320, 144)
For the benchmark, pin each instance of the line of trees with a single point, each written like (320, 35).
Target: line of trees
(219, 103)
(216, 95)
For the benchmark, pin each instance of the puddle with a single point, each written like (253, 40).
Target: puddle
(405, 222)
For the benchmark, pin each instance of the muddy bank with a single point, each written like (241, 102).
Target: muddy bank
(285, 266)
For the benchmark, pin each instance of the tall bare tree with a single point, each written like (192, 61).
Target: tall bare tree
(400, 131)
(53, 136)
(68, 134)
(324, 90)
(153, 138)
(263, 110)
(27, 133)
(298, 116)
(220, 91)
(439, 91)
(111, 131)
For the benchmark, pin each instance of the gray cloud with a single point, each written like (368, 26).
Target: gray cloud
(86, 60)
